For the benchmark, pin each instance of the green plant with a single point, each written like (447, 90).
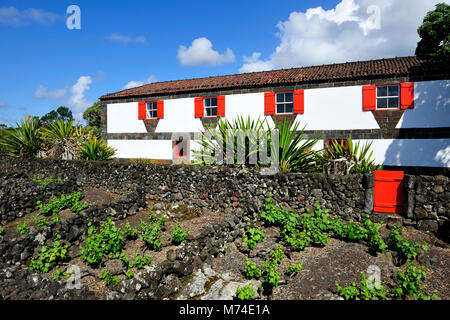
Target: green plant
(376, 243)
(411, 283)
(140, 262)
(96, 149)
(23, 228)
(58, 274)
(108, 278)
(295, 267)
(251, 270)
(150, 232)
(129, 274)
(178, 234)
(23, 141)
(1, 230)
(246, 292)
(396, 242)
(365, 292)
(57, 252)
(40, 223)
(56, 204)
(271, 267)
(253, 236)
(130, 232)
(60, 129)
(108, 239)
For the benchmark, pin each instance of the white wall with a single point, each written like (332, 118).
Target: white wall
(411, 152)
(123, 117)
(179, 117)
(149, 149)
(431, 106)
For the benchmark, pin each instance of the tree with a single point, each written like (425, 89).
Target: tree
(435, 33)
(92, 115)
(62, 113)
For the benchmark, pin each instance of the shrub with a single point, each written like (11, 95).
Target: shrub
(108, 278)
(365, 292)
(40, 223)
(178, 234)
(295, 267)
(1, 230)
(253, 236)
(411, 282)
(56, 204)
(108, 239)
(406, 248)
(130, 232)
(61, 130)
(96, 149)
(150, 233)
(23, 228)
(23, 141)
(246, 292)
(271, 266)
(57, 252)
(251, 270)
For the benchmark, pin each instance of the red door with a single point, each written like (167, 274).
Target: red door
(388, 191)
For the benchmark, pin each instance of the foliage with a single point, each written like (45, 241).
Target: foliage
(99, 242)
(246, 292)
(295, 149)
(96, 149)
(56, 204)
(23, 228)
(435, 33)
(62, 113)
(40, 223)
(295, 267)
(61, 130)
(92, 115)
(411, 282)
(251, 270)
(129, 232)
(58, 274)
(365, 292)
(108, 278)
(129, 274)
(404, 247)
(44, 182)
(150, 232)
(57, 252)
(1, 230)
(178, 234)
(23, 141)
(253, 236)
(139, 261)
(271, 267)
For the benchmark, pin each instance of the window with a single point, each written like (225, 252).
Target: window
(152, 110)
(388, 97)
(210, 105)
(285, 103)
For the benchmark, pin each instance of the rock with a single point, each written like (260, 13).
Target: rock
(428, 225)
(114, 266)
(171, 255)
(195, 287)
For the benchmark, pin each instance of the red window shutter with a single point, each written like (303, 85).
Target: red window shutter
(407, 95)
(199, 110)
(269, 103)
(160, 109)
(221, 106)
(369, 98)
(142, 110)
(299, 101)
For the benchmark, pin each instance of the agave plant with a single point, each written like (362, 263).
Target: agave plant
(295, 149)
(243, 132)
(62, 130)
(96, 149)
(23, 140)
(358, 157)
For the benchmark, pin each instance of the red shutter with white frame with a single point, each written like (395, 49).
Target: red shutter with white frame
(160, 109)
(221, 106)
(299, 101)
(199, 109)
(269, 103)
(142, 110)
(369, 98)
(407, 95)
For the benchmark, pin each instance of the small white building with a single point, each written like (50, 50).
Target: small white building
(401, 104)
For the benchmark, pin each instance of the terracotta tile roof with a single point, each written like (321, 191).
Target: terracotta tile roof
(373, 69)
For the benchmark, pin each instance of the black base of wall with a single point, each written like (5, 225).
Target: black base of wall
(428, 171)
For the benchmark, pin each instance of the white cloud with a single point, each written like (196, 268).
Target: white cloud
(77, 102)
(13, 16)
(133, 84)
(201, 53)
(3, 104)
(43, 93)
(126, 39)
(353, 30)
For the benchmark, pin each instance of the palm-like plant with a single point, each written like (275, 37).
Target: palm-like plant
(96, 149)
(62, 130)
(23, 140)
(295, 149)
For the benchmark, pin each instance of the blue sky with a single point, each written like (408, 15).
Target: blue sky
(122, 44)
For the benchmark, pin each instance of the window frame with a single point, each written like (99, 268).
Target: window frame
(155, 102)
(387, 97)
(284, 103)
(210, 107)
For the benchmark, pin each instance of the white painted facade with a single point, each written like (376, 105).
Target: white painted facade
(335, 108)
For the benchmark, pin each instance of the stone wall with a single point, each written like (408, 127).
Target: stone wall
(223, 188)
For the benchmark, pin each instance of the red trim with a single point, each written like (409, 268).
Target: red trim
(198, 107)
(407, 95)
(142, 110)
(299, 101)
(221, 106)
(369, 97)
(269, 103)
(160, 109)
